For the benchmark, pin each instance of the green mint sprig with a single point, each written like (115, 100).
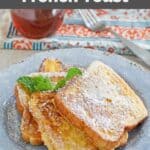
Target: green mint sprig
(40, 83)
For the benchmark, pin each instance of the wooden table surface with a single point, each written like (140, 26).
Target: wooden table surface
(8, 57)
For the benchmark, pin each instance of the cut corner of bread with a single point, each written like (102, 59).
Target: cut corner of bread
(102, 104)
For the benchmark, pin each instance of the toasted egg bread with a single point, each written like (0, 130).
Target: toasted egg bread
(101, 104)
(29, 127)
(56, 132)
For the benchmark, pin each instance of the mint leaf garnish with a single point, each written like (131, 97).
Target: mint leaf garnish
(72, 72)
(40, 83)
(60, 84)
(26, 82)
(36, 84)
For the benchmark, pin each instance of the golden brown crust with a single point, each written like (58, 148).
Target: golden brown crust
(28, 128)
(18, 102)
(51, 65)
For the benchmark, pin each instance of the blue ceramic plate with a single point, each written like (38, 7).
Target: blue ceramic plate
(137, 77)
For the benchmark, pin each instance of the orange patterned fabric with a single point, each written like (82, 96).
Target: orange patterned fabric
(131, 24)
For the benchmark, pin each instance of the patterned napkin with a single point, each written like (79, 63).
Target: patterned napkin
(131, 24)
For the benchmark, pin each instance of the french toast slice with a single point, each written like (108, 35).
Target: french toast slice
(101, 104)
(29, 127)
(57, 133)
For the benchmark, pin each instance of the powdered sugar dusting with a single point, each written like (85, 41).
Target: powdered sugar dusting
(12, 124)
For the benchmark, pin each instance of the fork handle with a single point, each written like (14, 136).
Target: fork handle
(139, 52)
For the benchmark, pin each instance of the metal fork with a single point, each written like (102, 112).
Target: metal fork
(90, 19)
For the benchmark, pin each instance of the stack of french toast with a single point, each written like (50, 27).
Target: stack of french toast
(94, 111)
